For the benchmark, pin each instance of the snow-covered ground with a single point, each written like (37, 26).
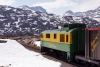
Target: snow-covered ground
(37, 43)
(13, 54)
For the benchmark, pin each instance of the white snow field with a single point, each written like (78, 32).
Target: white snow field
(13, 54)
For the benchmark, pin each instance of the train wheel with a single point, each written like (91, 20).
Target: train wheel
(87, 64)
(42, 49)
(63, 55)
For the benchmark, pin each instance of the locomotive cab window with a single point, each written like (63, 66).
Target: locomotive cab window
(62, 38)
(66, 25)
(41, 35)
(66, 38)
(55, 36)
(47, 35)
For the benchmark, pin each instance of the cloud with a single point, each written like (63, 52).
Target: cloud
(74, 5)
(86, 5)
(56, 4)
(6, 2)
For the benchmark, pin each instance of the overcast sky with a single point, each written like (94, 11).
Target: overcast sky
(56, 6)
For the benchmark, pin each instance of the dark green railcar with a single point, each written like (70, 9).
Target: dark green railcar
(70, 40)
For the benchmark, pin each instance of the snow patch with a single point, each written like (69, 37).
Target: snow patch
(45, 23)
(8, 8)
(37, 43)
(1, 15)
(13, 54)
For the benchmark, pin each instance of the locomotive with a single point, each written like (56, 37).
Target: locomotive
(73, 42)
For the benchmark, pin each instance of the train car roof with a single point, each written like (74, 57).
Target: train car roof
(58, 31)
(54, 31)
(92, 28)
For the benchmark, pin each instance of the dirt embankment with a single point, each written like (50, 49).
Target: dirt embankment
(24, 40)
(3, 41)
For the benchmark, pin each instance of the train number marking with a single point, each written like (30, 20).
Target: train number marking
(51, 46)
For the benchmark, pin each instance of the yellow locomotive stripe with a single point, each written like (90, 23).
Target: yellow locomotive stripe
(57, 39)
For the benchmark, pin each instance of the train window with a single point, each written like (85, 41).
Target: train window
(41, 35)
(62, 38)
(66, 25)
(47, 35)
(66, 38)
(55, 36)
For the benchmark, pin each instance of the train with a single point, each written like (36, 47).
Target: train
(74, 43)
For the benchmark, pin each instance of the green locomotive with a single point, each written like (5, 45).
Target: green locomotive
(66, 42)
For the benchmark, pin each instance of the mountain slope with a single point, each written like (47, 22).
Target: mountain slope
(35, 8)
(17, 21)
(94, 14)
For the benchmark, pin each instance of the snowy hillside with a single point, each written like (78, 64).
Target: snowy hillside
(35, 8)
(13, 54)
(18, 21)
(94, 14)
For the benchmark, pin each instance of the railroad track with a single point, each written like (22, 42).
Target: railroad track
(65, 61)
(57, 59)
